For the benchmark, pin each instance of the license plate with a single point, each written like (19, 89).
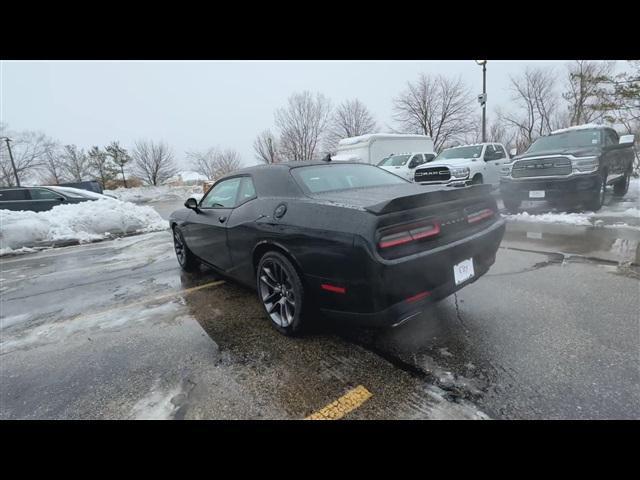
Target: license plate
(536, 194)
(463, 271)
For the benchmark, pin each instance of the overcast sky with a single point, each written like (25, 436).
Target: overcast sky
(194, 105)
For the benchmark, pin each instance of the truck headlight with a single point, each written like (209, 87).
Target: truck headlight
(585, 164)
(459, 172)
(505, 171)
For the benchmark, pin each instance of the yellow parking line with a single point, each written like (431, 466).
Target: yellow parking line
(345, 404)
(152, 299)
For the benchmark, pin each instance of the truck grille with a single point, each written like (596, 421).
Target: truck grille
(541, 167)
(432, 174)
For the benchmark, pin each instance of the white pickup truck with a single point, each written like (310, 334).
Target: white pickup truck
(465, 165)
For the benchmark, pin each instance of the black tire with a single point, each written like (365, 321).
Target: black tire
(281, 293)
(621, 187)
(512, 205)
(187, 260)
(597, 200)
(477, 179)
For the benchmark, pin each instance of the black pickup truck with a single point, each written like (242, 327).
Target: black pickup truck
(571, 166)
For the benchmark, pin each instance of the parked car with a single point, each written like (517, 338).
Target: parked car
(40, 199)
(465, 165)
(571, 166)
(90, 185)
(375, 147)
(404, 164)
(351, 239)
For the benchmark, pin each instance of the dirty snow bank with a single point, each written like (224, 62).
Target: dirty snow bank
(154, 194)
(82, 222)
(581, 219)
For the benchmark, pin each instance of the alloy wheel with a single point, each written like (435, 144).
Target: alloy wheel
(179, 247)
(277, 293)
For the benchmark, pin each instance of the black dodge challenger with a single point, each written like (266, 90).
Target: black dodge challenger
(350, 239)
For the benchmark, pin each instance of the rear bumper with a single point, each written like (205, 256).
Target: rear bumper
(391, 292)
(573, 189)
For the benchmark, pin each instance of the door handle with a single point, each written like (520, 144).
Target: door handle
(222, 219)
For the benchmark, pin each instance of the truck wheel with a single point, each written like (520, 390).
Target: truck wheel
(476, 180)
(512, 205)
(597, 200)
(621, 187)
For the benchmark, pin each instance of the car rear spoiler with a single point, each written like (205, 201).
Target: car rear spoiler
(446, 194)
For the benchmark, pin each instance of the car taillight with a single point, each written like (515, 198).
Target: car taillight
(419, 233)
(480, 215)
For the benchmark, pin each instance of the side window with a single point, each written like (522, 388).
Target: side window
(44, 194)
(416, 160)
(13, 195)
(222, 195)
(500, 153)
(610, 137)
(247, 190)
(489, 153)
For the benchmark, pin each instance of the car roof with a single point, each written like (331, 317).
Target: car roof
(288, 166)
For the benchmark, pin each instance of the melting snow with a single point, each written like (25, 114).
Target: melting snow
(83, 222)
(154, 194)
(156, 405)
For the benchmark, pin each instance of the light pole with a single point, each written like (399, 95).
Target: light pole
(483, 98)
(13, 165)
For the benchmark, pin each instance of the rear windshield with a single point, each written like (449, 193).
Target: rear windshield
(560, 141)
(326, 178)
(462, 152)
(394, 161)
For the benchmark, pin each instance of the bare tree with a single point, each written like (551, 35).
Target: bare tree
(52, 167)
(153, 161)
(227, 162)
(74, 163)
(101, 164)
(436, 106)
(204, 162)
(536, 102)
(266, 147)
(586, 90)
(28, 148)
(350, 119)
(214, 163)
(119, 156)
(302, 124)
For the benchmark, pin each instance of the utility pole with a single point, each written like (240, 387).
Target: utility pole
(13, 165)
(483, 98)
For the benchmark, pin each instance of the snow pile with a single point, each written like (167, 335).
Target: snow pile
(154, 194)
(580, 219)
(81, 222)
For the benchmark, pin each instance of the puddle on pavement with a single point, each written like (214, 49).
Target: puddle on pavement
(609, 244)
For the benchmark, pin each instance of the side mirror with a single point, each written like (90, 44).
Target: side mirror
(191, 204)
(627, 139)
(513, 152)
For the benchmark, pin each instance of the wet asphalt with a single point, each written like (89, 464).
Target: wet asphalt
(115, 330)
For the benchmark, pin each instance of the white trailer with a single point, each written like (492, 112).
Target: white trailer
(374, 147)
